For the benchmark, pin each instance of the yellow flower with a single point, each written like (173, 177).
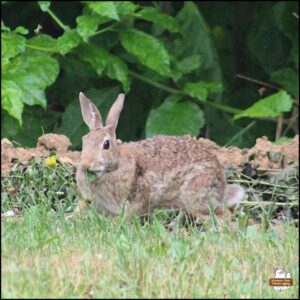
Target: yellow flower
(50, 161)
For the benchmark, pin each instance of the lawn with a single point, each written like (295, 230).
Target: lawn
(48, 255)
(89, 255)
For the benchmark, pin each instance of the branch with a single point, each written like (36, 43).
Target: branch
(57, 20)
(168, 89)
(258, 82)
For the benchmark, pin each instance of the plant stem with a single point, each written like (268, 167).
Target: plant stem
(57, 20)
(215, 105)
(241, 132)
(41, 48)
(258, 82)
(168, 89)
(105, 29)
(279, 127)
(222, 107)
(156, 84)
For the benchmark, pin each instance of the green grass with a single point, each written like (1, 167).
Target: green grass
(44, 255)
(89, 255)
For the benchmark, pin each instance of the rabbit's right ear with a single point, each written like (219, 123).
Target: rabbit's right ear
(114, 112)
(90, 112)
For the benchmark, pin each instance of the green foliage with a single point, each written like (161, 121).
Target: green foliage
(287, 79)
(271, 106)
(69, 40)
(175, 118)
(24, 76)
(184, 52)
(101, 60)
(87, 25)
(153, 15)
(201, 89)
(105, 9)
(190, 64)
(39, 184)
(44, 5)
(195, 39)
(149, 50)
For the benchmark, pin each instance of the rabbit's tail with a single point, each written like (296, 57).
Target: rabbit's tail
(234, 194)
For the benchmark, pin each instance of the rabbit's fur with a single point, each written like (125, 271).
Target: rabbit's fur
(159, 172)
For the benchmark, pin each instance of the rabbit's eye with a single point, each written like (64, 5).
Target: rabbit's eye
(106, 145)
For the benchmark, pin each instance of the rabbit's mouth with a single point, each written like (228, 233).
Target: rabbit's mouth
(100, 170)
(90, 175)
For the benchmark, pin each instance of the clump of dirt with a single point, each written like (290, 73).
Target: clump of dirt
(57, 142)
(264, 155)
(46, 144)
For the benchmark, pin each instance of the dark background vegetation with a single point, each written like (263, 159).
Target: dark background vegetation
(184, 75)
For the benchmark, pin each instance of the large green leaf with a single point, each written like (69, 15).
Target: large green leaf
(153, 15)
(11, 96)
(42, 44)
(125, 8)
(114, 10)
(190, 63)
(271, 106)
(12, 44)
(201, 89)
(97, 57)
(149, 50)
(4, 28)
(286, 22)
(105, 9)
(117, 69)
(263, 37)
(32, 75)
(101, 60)
(196, 39)
(72, 123)
(175, 118)
(196, 90)
(88, 23)
(44, 5)
(288, 80)
(69, 40)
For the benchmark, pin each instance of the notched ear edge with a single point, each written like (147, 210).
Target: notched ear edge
(90, 112)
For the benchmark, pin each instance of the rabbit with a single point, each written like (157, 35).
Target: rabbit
(170, 172)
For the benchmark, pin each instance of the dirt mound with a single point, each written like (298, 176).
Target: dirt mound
(46, 144)
(264, 155)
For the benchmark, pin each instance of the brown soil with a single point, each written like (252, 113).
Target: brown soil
(264, 155)
(45, 144)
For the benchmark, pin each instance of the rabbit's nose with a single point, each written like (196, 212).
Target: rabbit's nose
(85, 164)
(95, 165)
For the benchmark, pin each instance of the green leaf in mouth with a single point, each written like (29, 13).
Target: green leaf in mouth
(90, 176)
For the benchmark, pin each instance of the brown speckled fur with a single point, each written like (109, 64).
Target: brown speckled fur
(158, 172)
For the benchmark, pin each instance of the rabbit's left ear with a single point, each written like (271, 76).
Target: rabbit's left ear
(90, 112)
(114, 112)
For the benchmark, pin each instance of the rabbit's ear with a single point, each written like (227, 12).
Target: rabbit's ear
(114, 112)
(90, 112)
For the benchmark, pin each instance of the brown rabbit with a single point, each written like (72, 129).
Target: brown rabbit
(159, 172)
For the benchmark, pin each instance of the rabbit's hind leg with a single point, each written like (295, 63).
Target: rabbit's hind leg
(203, 190)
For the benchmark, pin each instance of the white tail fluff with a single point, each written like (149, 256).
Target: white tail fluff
(234, 194)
